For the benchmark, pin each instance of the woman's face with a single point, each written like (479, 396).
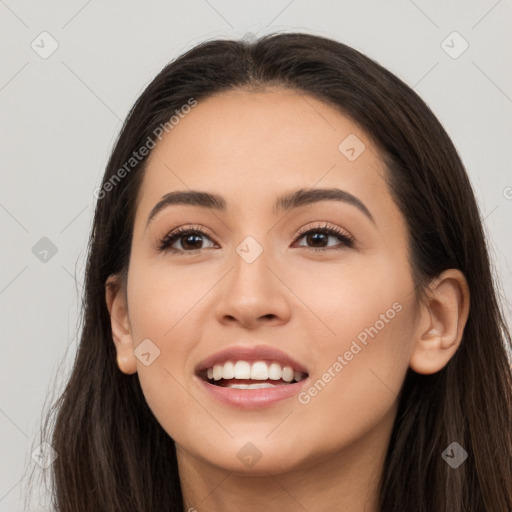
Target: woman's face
(260, 280)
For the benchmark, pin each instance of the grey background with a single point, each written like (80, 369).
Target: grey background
(60, 117)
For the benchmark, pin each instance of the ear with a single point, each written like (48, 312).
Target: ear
(121, 331)
(443, 318)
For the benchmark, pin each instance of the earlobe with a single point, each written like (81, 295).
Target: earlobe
(115, 297)
(444, 317)
(126, 362)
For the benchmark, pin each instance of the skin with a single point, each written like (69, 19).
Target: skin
(251, 147)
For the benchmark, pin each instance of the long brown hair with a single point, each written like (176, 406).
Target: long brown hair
(114, 456)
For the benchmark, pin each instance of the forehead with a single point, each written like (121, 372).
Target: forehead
(251, 146)
(258, 127)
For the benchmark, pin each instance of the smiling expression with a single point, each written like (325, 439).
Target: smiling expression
(256, 233)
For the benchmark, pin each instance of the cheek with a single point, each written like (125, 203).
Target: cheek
(356, 385)
(359, 298)
(164, 307)
(362, 355)
(161, 300)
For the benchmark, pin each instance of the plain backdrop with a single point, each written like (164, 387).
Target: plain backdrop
(61, 112)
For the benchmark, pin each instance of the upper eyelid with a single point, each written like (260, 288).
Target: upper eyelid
(300, 231)
(325, 225)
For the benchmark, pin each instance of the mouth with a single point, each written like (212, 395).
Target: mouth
(250, 376)
(261, 374)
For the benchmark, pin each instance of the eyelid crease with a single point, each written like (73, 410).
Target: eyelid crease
(327, 226)
(163, 244)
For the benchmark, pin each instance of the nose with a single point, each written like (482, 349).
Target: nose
(253, 294)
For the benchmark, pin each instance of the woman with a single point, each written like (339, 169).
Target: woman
(288, 300)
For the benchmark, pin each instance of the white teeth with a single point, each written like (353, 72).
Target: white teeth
(258, 370)
(275, 371)
(287, 374)
(242, 370)
(261, 385)
(217, 372)
(229, 370)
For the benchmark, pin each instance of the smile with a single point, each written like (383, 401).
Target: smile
(251, 375)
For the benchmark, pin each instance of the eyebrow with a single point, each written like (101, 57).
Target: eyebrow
(284, 203)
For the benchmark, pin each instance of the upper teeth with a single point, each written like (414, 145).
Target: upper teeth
(258, 370)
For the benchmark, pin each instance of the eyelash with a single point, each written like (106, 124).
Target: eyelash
(164, 244)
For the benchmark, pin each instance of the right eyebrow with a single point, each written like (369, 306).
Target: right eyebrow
(192, 197)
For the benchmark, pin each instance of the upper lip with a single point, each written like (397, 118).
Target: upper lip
(250, 354)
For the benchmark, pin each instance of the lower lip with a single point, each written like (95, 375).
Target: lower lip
(252, 398)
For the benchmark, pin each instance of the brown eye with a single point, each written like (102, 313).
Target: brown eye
(318, 238)
(187, 240)
(191, 240)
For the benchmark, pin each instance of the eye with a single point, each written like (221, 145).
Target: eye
(190, 240)
(319, 236)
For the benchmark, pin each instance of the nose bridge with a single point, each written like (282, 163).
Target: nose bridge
(250, 268)
(251, 290)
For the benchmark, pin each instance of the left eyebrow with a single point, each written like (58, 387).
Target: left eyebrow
(308, 196)
(286, 202)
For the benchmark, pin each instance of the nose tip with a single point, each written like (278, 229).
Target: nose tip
(252, 295)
